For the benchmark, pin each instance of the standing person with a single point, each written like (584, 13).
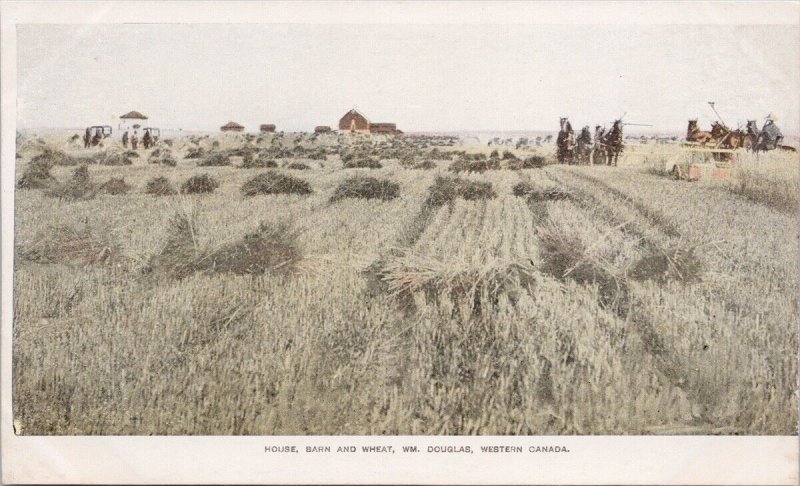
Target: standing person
(134, 141)
(147, 139)
(125, 139)
(98, 136)
(87, 138)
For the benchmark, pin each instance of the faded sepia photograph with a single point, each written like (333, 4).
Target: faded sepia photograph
(405, 229)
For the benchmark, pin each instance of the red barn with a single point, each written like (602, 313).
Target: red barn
(354, 121)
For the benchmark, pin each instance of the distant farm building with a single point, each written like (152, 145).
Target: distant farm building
(354, 121)
(267, 128)
(132, 120)
(322, 129)
(385, 128)
(232, 127)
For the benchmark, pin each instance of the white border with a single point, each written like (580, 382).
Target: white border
(412, 12)
(204, 460)
(242, 460)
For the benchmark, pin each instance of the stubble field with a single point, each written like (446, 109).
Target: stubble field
(519, 297)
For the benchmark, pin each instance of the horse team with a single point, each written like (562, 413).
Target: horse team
(604, 147)
(769, 137)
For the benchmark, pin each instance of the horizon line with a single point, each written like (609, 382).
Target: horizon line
(449, 130)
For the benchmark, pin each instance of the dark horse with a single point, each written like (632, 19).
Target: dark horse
(752, 135)
(598, 152)
(584, 146)
(694, 134)
(728, 139)
(565, 143)
(613, 143)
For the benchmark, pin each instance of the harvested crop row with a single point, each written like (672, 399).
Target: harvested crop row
(716, 218)
(473, 263)
(499, 230)
(656, 217)
(615, 210)
(575, 249)
(679, 344)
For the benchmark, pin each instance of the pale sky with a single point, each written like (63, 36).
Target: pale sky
(422, 77)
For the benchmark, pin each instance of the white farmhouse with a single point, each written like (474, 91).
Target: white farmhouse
(132, 121)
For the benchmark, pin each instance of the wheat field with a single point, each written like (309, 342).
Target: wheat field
(547, 300)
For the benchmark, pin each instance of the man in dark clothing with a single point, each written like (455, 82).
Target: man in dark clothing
(98, 136)
(771, 136)
(87, 138)
(125, 139)
(147, 139)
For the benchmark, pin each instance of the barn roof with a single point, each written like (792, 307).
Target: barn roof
(232, 124)
(356, 112)
(135, 115)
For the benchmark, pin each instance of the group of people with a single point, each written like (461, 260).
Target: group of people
(148, 140)
(94, 135)
(93, 140)
(602, 147)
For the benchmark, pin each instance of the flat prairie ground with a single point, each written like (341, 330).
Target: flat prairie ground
(557, 299)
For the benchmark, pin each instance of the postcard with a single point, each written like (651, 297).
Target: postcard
(428, 243)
